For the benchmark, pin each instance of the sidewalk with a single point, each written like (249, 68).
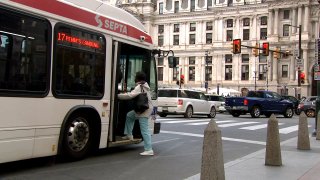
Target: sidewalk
(296, 164)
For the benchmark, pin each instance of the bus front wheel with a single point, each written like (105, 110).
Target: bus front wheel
(77, 138)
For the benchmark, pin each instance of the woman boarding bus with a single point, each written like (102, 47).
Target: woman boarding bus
(59, 63)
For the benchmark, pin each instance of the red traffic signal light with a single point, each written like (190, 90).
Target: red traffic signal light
(182, 79)
(236, 46)
(265, 49)
(302, 77)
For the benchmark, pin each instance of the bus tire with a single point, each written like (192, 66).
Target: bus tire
(77, 137)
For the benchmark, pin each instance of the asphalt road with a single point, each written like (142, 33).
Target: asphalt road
(178, 151)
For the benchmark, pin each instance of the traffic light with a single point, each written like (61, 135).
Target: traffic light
(265, 49)
(182, 79)
(302, 77)
(255, 50)
(276, 53)
(286, 54)
(236, 46)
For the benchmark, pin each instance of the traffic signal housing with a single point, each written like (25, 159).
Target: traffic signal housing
(236, 46)
(276, 53)
(182, 79)
(265, 49)
(302, 77)
(255, 50)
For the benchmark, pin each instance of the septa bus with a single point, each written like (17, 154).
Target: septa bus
(62, 64)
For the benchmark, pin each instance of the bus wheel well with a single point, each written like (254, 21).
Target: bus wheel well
(85, 115)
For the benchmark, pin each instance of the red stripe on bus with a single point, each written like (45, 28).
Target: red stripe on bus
(68, 11)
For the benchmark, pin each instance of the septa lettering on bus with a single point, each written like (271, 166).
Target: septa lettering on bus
(111, 25)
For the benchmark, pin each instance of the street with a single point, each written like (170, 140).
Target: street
(178, 151)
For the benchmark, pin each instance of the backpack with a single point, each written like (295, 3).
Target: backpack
(141, 102)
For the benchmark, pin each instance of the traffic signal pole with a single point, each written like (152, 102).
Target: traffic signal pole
(299, 70)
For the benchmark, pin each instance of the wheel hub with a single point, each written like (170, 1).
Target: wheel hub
(78, 135)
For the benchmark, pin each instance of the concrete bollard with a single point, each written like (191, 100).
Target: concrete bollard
(303, 133)
(212, 167)
(273, 150)
(318, 129)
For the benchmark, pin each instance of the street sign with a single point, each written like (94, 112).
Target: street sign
(299, 64)
(296, 53)
(317, 76)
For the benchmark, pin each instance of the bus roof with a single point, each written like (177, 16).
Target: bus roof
(92, 12)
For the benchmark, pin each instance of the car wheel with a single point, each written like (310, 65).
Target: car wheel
(213, 112)
(255, 112)
(162, 114)
(288, 113)
(235, 114)
(310, 113)
(298, 112)
(189, 112)
(77, 138)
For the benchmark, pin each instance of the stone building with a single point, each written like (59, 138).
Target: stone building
(200, 30)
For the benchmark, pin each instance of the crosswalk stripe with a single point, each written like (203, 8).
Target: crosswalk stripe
(203, 123)
(183, 121)
(261, 126)
(290, 129)
(236, 124)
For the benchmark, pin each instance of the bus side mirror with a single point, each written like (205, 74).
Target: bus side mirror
(172, 61)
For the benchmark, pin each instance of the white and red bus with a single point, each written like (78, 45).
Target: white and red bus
(61, 63)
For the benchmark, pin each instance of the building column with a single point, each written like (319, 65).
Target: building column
(276, 21)
(294, 20)
(299, 15)
(292, 69)
(270, 20)
(306, 18)
(274, 70)
(216, 29)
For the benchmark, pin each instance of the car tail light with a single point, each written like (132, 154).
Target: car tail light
(300, 106)
(180, 102)
(245, 102)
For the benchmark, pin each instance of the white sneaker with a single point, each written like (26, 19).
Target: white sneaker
(127, 137)
(147, 153)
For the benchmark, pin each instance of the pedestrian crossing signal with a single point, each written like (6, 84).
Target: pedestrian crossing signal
(256, 50)
(276, 53)
(236, 46)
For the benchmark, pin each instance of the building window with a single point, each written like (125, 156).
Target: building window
(175, 39)
(160, 61)
(228, 58)
(192, 26)
(245, 72)
(208, 76)
(193, 5)
(161, 8)
(160, 40)
(175, 72)
(176, 28)
(209, 38)
(176, 6)
(192, 39)
(245, 58)
(209, 26)
(230, 2)
(229, 35)
(262, 72)
(285, 30)
(160, 29)
(209, 3)
(286, 14)
(246, 22)
(192, 60)
(192, 73)
(285, 71)
(209, 60)
(228, 72)
(263, 33)
(229, 23)
(246, 34)
(160, 73)
(262, 59)
(264, 20)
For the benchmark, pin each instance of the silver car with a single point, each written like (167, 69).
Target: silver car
(308, 105)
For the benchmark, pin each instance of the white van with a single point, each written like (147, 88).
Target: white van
(219, 101)
(184, 101)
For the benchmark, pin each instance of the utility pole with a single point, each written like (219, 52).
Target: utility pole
(299, 57)
(206, 71)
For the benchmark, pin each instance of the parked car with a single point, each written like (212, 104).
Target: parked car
(308, 105)
(186, 102)
(295, 102)
(259, 102)
(219, 101)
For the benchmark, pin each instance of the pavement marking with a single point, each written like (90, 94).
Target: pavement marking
(156, 142)
(203, 123)
(223, 138)
(236, 124)
(290, 129)
(183, 121)
(261, 126)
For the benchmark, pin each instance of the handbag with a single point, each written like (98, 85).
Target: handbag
(141, 102)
